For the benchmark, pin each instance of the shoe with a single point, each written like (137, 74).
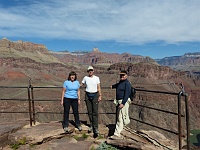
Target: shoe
(114, 137)
(66, 129)
(95, 135)
(79, 128)
(90, 129)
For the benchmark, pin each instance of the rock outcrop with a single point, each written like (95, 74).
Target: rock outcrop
(20, 49)
(98, 57)
(23, 46)
(186, 59)
(189, 62)
(147, 70)
(51, 136)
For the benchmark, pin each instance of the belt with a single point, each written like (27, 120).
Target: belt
(91, 92)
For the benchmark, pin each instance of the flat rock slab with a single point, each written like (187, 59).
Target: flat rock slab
(39, 133)
(142, 140)
(52, 137)
(6, 128)
(65, 143)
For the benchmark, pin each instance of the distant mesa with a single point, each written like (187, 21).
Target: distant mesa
(96, 50)
(4, 38)
(21, 45)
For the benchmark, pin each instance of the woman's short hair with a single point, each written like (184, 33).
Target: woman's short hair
(72, 73)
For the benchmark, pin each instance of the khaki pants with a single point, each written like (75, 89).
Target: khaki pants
(122, 116)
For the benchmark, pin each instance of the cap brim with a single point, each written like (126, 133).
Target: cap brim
(122, 73)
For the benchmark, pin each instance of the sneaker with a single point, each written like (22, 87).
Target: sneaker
(79, 128)
(96, 134)
(90, 129)
(66, 129)
(114, 137)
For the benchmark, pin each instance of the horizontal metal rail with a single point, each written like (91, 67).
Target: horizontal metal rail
(50, 112)
(22, 112)
(161, 92)
(161, 110)
(14, 99)
(155, 126)
(10, 87)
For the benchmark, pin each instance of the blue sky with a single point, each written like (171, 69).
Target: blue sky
(155, 28)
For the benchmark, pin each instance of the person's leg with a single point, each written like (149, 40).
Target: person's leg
(125, 114)
(119, 124)
(66, 112)
(75, 112)
(89, 108)
(95, 113)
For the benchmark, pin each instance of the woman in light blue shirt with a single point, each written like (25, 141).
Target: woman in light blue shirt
(71, 97)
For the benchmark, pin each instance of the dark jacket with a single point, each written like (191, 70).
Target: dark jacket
(123, 90)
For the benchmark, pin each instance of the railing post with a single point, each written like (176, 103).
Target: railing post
(33, 104)
(179, 121)
(187, 120)
(29, 101)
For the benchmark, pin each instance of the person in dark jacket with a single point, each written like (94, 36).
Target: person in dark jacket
(122, 101)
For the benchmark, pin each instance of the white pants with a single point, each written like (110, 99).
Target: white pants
(122, 116)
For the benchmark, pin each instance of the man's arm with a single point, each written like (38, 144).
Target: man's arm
(99, 90)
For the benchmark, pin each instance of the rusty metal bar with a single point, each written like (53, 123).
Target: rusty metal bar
(47, 87)
(33, 104)
(187, 120)
(21, 112)
(13, 99)
(162, 92)
(166, 111)
(43, 100)
(29, 102)
(10, 87)
(50, 112)
(46, 99)
(179, 120)
(155, 126)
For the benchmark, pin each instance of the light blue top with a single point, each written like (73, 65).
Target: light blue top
(71, 89)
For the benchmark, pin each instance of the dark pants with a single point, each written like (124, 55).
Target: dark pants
(92, 108)
(67, 103)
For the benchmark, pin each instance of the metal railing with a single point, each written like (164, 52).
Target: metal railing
(32, 113)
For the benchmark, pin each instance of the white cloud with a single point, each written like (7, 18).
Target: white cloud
(127, 21)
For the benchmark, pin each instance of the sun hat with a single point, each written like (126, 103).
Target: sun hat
(90, 68)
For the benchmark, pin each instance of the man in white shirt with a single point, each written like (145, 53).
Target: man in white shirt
(92, 98)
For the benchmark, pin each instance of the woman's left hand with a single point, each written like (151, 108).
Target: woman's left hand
(79, 101)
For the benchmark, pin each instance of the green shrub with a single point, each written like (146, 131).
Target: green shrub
(193, 138)
(85, 136)
(104, 146)
(20, 142)
(76, 137)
